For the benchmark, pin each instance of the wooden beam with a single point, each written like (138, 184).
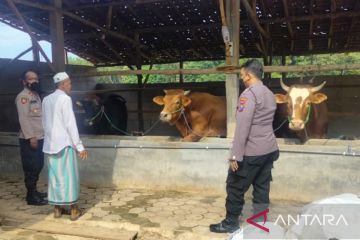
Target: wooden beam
(283, 62)
(140, 85)
(35, 52)
(253, 16)
(28, 30)
(109, 17)
(111, 48)
(290, 30)
(232, 80)
(181, 77)
(242, 48)
(148, 1)
(77, 18)
(113, 4)
(262, 45)
(311, 2)
(225, 24)
(147, 76)
(57, 37)
(289, 68)
(66, 58)
(262, 21)
(16, 58)
(166, 29)
(235, 18)
(352, 25)
(310, 34)
(331, 28)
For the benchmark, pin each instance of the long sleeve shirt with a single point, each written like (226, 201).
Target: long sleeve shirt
(59, 123)
(28, 106)
(254, 134)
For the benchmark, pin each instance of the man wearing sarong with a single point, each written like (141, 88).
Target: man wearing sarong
(61, 145)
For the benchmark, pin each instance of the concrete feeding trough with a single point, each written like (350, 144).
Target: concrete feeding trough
(317, 169)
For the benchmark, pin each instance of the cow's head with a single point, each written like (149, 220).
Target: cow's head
(89, 107)
(299, 99)
(175, 101)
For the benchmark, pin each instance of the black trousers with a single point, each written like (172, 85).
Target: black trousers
(253, 170)
(32, 163)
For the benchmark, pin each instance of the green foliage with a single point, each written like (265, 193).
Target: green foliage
(78, 61)
(323, 59)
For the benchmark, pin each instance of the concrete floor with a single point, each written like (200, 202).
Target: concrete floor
(150, 214)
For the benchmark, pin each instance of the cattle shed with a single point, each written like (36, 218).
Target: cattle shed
(135, 33)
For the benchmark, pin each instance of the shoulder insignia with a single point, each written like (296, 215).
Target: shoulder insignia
(243, 100)
(242, 103)
(24, 100)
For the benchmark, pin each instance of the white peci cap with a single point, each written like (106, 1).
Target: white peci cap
(61, 76)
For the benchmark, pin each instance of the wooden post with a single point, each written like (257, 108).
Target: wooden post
(225, 21)
(66, 58)
(266, 63)
(232, 81)
(270, 51)
(35, 52)
(283, 62)
(140, 85)
(181, 80)
(57, 37)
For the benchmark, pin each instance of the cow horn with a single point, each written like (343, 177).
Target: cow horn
(186, 92)
(311, 80)
(165, 91)
(284, 86)
(318, 88)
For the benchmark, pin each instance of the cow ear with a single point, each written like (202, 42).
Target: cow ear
(186, 101)
(159, 100)
(281, 98)
(318, 98)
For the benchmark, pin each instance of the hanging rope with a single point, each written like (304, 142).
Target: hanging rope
(102, 113)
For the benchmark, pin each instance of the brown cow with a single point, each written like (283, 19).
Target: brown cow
(195, 115)
(306, 110)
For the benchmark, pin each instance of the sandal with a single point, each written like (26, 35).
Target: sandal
(79, 213)
(59, 211)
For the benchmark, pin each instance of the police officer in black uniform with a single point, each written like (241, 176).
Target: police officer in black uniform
(31, 135)
(254, 148)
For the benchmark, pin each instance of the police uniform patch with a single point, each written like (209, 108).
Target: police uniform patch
(24, 100)
(243, 100)
(242, 103)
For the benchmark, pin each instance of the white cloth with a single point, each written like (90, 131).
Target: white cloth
(59, 123)
(61, 76)
(346, 205)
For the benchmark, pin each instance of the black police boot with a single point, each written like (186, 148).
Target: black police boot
(33, 199)
(41, 194)
(225, 226)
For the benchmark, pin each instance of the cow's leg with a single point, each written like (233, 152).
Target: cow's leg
(197, 132)
(192, 138)
(198, 129)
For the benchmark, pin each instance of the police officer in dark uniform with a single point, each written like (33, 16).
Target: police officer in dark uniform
(31, 136)
(254, 148)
